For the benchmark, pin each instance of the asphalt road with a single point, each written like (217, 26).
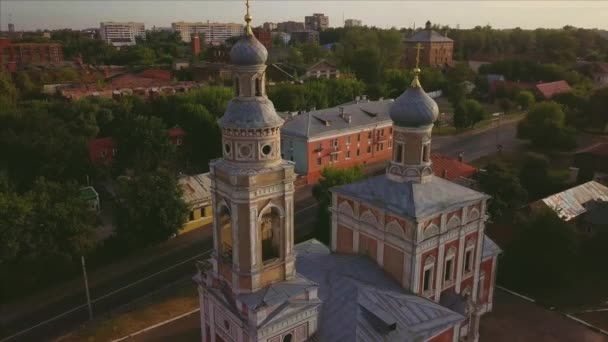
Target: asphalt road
(478, 144)
(473, 144)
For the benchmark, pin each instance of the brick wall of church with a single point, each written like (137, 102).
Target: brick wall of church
(393, 262)
(344, 240)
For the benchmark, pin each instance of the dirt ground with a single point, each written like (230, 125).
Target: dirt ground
(516, 320)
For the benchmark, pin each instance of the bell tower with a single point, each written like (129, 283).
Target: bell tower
(253, 186)
(413, 114)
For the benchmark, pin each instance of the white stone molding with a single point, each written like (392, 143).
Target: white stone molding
(453, 222)
(430, 231)
(473, 215)
(460, 263)
(346, 209)
(429, 264)
(450, 255)
(370, 218)
(396, 229)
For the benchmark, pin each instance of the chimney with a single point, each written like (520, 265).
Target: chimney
(196, 45)
(444, 174)
(341, 112)
(358, 98)
(347, 118)
(461, 157)
(364, 97)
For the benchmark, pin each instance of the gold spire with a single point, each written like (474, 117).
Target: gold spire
(416, 80)
(248, 18)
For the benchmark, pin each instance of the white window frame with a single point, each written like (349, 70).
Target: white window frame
(470, 247)
(347, 155)
(429, 264)
(449, 256)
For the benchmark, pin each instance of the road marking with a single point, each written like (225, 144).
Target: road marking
(104, 296)
(157, 325)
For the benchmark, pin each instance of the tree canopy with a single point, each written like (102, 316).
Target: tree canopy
(505, 188)
(545, 127)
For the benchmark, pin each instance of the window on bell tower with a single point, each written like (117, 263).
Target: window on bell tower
(399, 153)
(270, 235)
(225, 234)
(237, 90)
(425, 153)
(258, 87)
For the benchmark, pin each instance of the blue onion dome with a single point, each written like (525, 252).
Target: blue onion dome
(414, 108)
(248, 51)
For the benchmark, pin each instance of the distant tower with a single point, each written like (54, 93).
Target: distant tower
(11, 26)
(196, 44)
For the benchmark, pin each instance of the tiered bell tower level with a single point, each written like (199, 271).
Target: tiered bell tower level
(249, 289)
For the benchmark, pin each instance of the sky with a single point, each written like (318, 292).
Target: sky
(79, 14)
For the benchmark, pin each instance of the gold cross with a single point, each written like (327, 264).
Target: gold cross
(248, 20)
(418, 48)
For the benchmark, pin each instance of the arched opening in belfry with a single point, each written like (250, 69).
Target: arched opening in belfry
(258, 87)
(270, 232)
(225, 234)
(237, 89)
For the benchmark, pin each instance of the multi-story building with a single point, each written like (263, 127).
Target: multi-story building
(283, 37)
(121, 34)
(409, 259)
(352, 134)
(436, 49)
(269, 26)
(317, 22)
(352, 23)
(306, 36)
(290, 26)
(264, 36)
(323, 69)
(13, 56)
(211, 33)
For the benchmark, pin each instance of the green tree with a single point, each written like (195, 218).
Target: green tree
(544, 126)
(331, 177)
(143, 145)
(151, 208)
(534, 175)
(525, 99)
(505, 188)
(475, 111)
(542, 256)
(598, 108)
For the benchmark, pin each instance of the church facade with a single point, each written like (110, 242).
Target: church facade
(408, 261)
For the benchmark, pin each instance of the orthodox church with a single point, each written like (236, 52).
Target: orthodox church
(408, 261)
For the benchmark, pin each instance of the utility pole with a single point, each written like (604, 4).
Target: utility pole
(498, 146)
(86, 287)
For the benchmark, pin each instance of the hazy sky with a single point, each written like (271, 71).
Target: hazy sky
(78, 14)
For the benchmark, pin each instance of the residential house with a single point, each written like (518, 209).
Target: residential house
(548, 90)
(323, 69)
(591, 163)
(197, 194)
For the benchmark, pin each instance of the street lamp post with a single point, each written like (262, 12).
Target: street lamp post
(497, 119)
(86, 287)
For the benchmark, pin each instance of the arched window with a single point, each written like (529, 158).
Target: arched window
(288, 338)
(258, 87)
(399, 153)
(237, 90)
(270, 233)
(425, 152)
(225, 234)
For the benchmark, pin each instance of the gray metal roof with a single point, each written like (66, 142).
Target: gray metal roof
(416, 200)
(428, 36)
(414, 108)
(277, 293)
(575, 201)
(250, 112)
(362, 303)
(490, 248)
(248, 51)
(196, 189)
(328, 121)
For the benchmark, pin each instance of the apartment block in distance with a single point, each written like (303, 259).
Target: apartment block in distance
(121, 34)
(352, 23)
(356, 133)
(317, 22)
(210, 33)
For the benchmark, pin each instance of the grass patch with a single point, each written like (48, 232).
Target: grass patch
(156, 308)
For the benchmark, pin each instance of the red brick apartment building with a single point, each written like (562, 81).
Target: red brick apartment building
(13, 56)
(351, 134)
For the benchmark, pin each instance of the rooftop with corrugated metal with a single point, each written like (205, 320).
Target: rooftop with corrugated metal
(196, 189)
(575, 201)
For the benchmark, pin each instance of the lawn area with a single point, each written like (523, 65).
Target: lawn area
(160, 306)
(558, 162)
